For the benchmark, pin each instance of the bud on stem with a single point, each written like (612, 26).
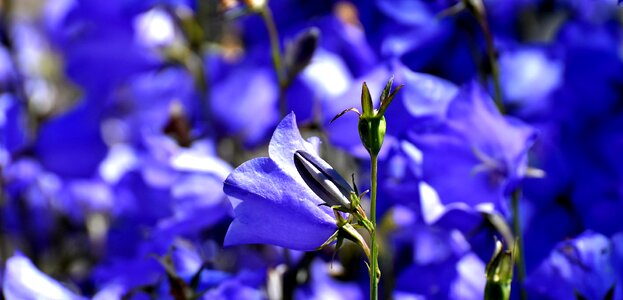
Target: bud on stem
(499, 274)
(328, 184)
(372, 133)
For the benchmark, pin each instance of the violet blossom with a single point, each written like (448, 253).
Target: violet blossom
(272, 203)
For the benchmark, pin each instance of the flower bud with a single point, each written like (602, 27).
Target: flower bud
(372, 133)
(299, 52)
(372, 125)
(321, 178)
(499, 274)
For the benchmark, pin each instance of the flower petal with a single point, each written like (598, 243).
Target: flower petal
(272, 207)
(285, 142)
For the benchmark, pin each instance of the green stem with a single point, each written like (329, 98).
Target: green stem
(495, 68)
(499, 103)
(478, 10)
(374, 264)
(519, 252)
(275, 51)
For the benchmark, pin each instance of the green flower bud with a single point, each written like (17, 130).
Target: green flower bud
(499, 274)
(372, 125)
(372, 133)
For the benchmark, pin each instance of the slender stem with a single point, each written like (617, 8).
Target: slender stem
(499, 103)
(495, 68)
(276, 54)
(520, 258)
(374, 263)
(478, 10)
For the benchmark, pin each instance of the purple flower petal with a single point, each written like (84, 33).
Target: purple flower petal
(285, 142)
(477, 149)
(274, 208)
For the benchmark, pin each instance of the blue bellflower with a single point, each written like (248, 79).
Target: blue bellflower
(272, 203)
(475, 148)
(443, 265)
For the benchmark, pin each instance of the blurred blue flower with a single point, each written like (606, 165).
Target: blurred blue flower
(342, 54)
(152, 99)
(8, 75)
(98, 43)
(322, 286)
(529, 76)
(582, 266)
(442, 264)
(172, 189)
(31, 202)
(68, 150)
(475, 147)
(119, 277)
(244, 103)
(272, 203)
(13, 133)
(22, 280)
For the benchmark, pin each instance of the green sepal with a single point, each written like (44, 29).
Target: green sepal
(354, 199)
(366, 102)
(330, 240)
(352, 176)
(344, 112)
(387, 89)
(386, 101)
(352, 234)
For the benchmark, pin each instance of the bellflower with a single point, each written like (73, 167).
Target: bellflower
(475, 148)
(167, 185)
(272, 203)
(98, 41)
(246, 113)
(442, 267)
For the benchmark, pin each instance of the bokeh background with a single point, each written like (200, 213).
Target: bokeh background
(120, 119)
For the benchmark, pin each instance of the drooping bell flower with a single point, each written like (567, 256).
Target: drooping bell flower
(272, 202)
(476, 149)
